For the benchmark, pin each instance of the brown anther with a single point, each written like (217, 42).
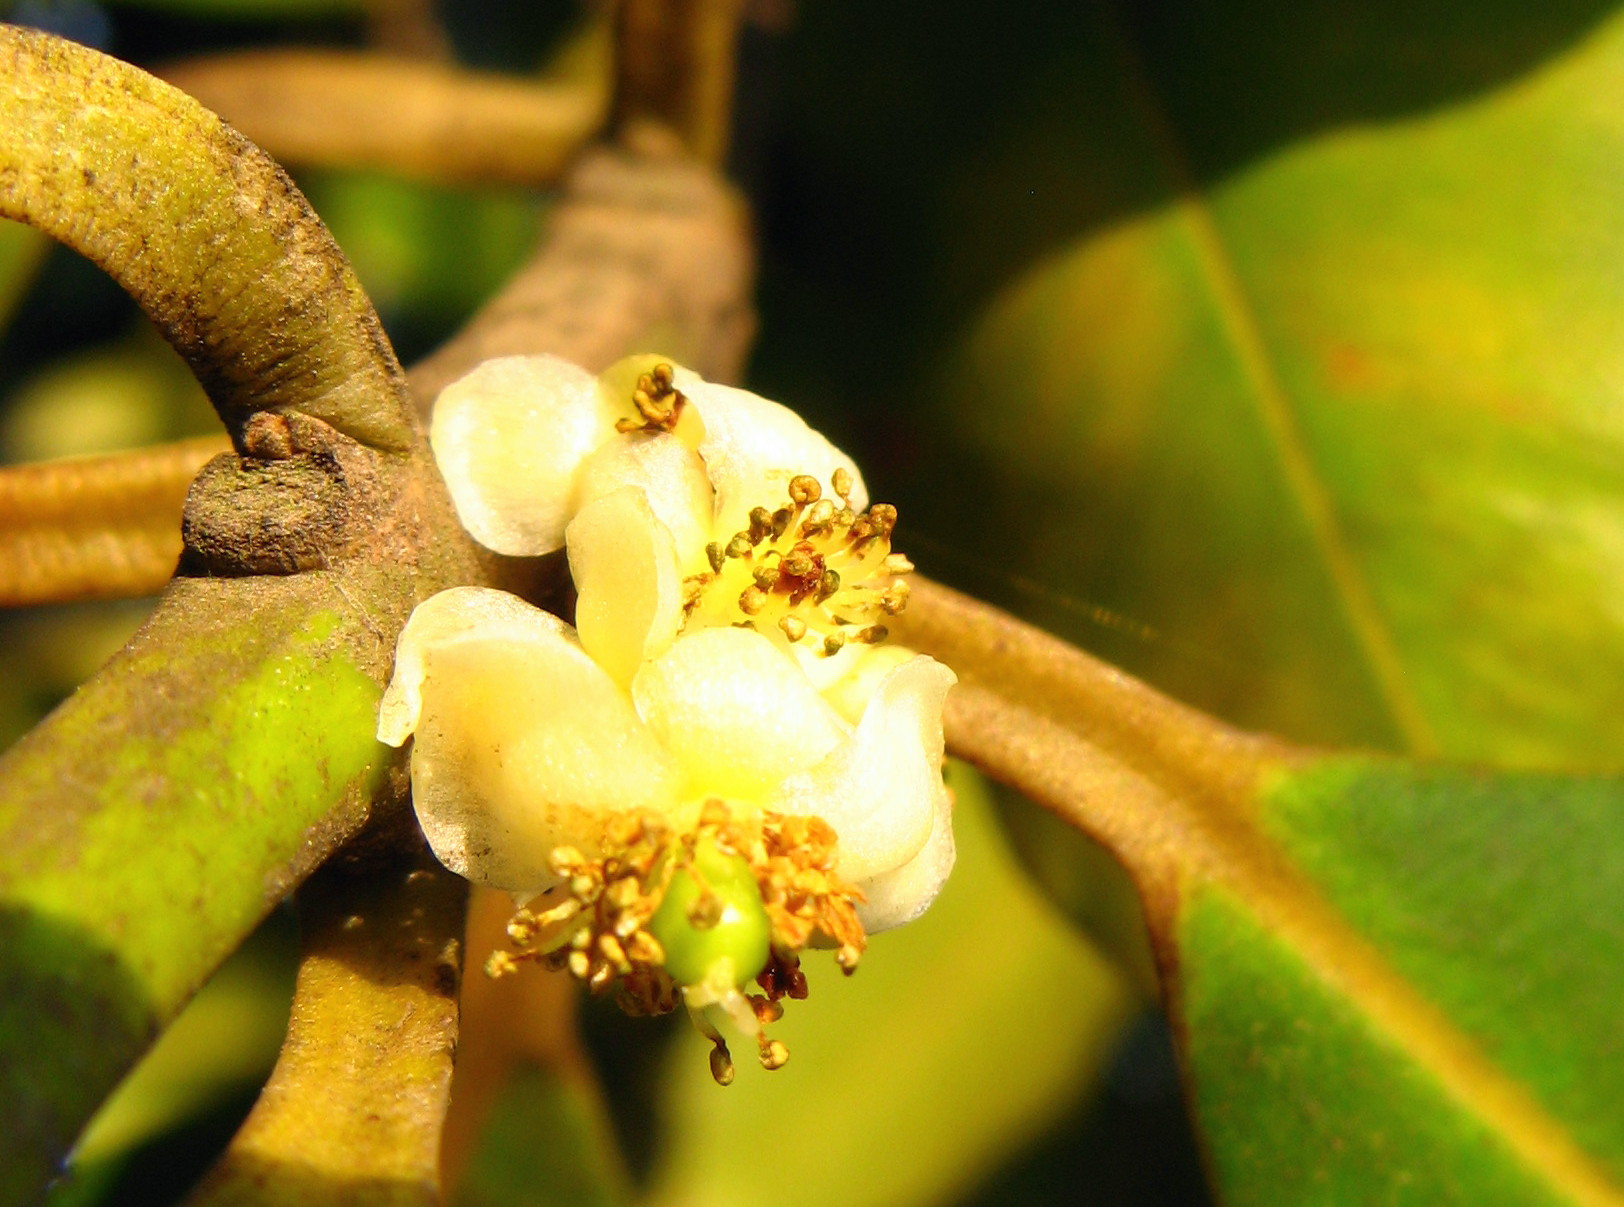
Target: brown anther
(842, 482)
(828, 584)
(774, 1055)
(819, 518)
(752, 600)
(767, 1010)
(798, 565)
(644, 948)
(793, 627)
(861, 530)
(767, 576)
(894, 598)
(804, 489)
(761, 524)
(845, 518)
(884, 518)
(739, 545)
(721, 1063)
(782, 519)
(833, 644)
(713, 554)
(873, 635)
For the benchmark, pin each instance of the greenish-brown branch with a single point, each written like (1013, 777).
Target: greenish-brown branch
(203, 230)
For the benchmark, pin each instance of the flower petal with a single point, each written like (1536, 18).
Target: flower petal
(735, 712)
(628, 582)
(509, 438)
(903, 894)
(753, 447)
(523, 743)
(671, 476)
(880, 790)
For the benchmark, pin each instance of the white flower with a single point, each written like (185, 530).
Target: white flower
(725, 674)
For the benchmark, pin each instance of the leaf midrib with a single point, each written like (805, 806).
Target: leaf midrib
(1240, 327)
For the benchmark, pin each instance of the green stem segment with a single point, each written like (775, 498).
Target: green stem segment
(202, 229)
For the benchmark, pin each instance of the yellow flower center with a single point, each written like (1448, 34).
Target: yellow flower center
(820, 573)
(605, 922)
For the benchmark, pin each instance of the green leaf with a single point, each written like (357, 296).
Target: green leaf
(958, 1039)
(1343, 414)
(1390, 982)
(1424, 1008)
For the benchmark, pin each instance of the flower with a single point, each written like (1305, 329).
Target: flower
(722, 760)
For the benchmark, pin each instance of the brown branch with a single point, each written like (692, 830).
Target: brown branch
(1132, 768)
(422, 119)
(105, 527)
(353, 1111)
(677, 63)
(204, 231)
(646, 251)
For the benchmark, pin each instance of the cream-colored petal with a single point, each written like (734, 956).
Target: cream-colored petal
(879, 790)
(523, 743)
(904, 893)
(628, 582)
(752, 447)
(735, 712)
(671, 476)
(458, 614)
(509, 438)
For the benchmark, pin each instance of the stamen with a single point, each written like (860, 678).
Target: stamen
(601, 931)
(832, 573)
(658, 401)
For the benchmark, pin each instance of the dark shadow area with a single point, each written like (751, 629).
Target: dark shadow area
(1129, 1145)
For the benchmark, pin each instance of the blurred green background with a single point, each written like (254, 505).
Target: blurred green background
(1053, 274)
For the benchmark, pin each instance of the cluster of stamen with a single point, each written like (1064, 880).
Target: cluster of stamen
(817, 571)
(598, 927)
(658, 401)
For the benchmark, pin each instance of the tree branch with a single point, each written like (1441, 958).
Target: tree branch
(435, 122)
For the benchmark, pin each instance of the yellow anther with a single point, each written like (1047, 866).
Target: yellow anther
(842, 482)
(752, 600)
(793, 627)
(774, 1055)
(804, 489)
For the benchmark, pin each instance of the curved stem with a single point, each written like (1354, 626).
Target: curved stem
(422, 119)
(353, 1110)
(1134, 769)
(203, 230)
(105, 527)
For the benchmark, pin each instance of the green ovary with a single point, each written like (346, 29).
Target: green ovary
(712, 911)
